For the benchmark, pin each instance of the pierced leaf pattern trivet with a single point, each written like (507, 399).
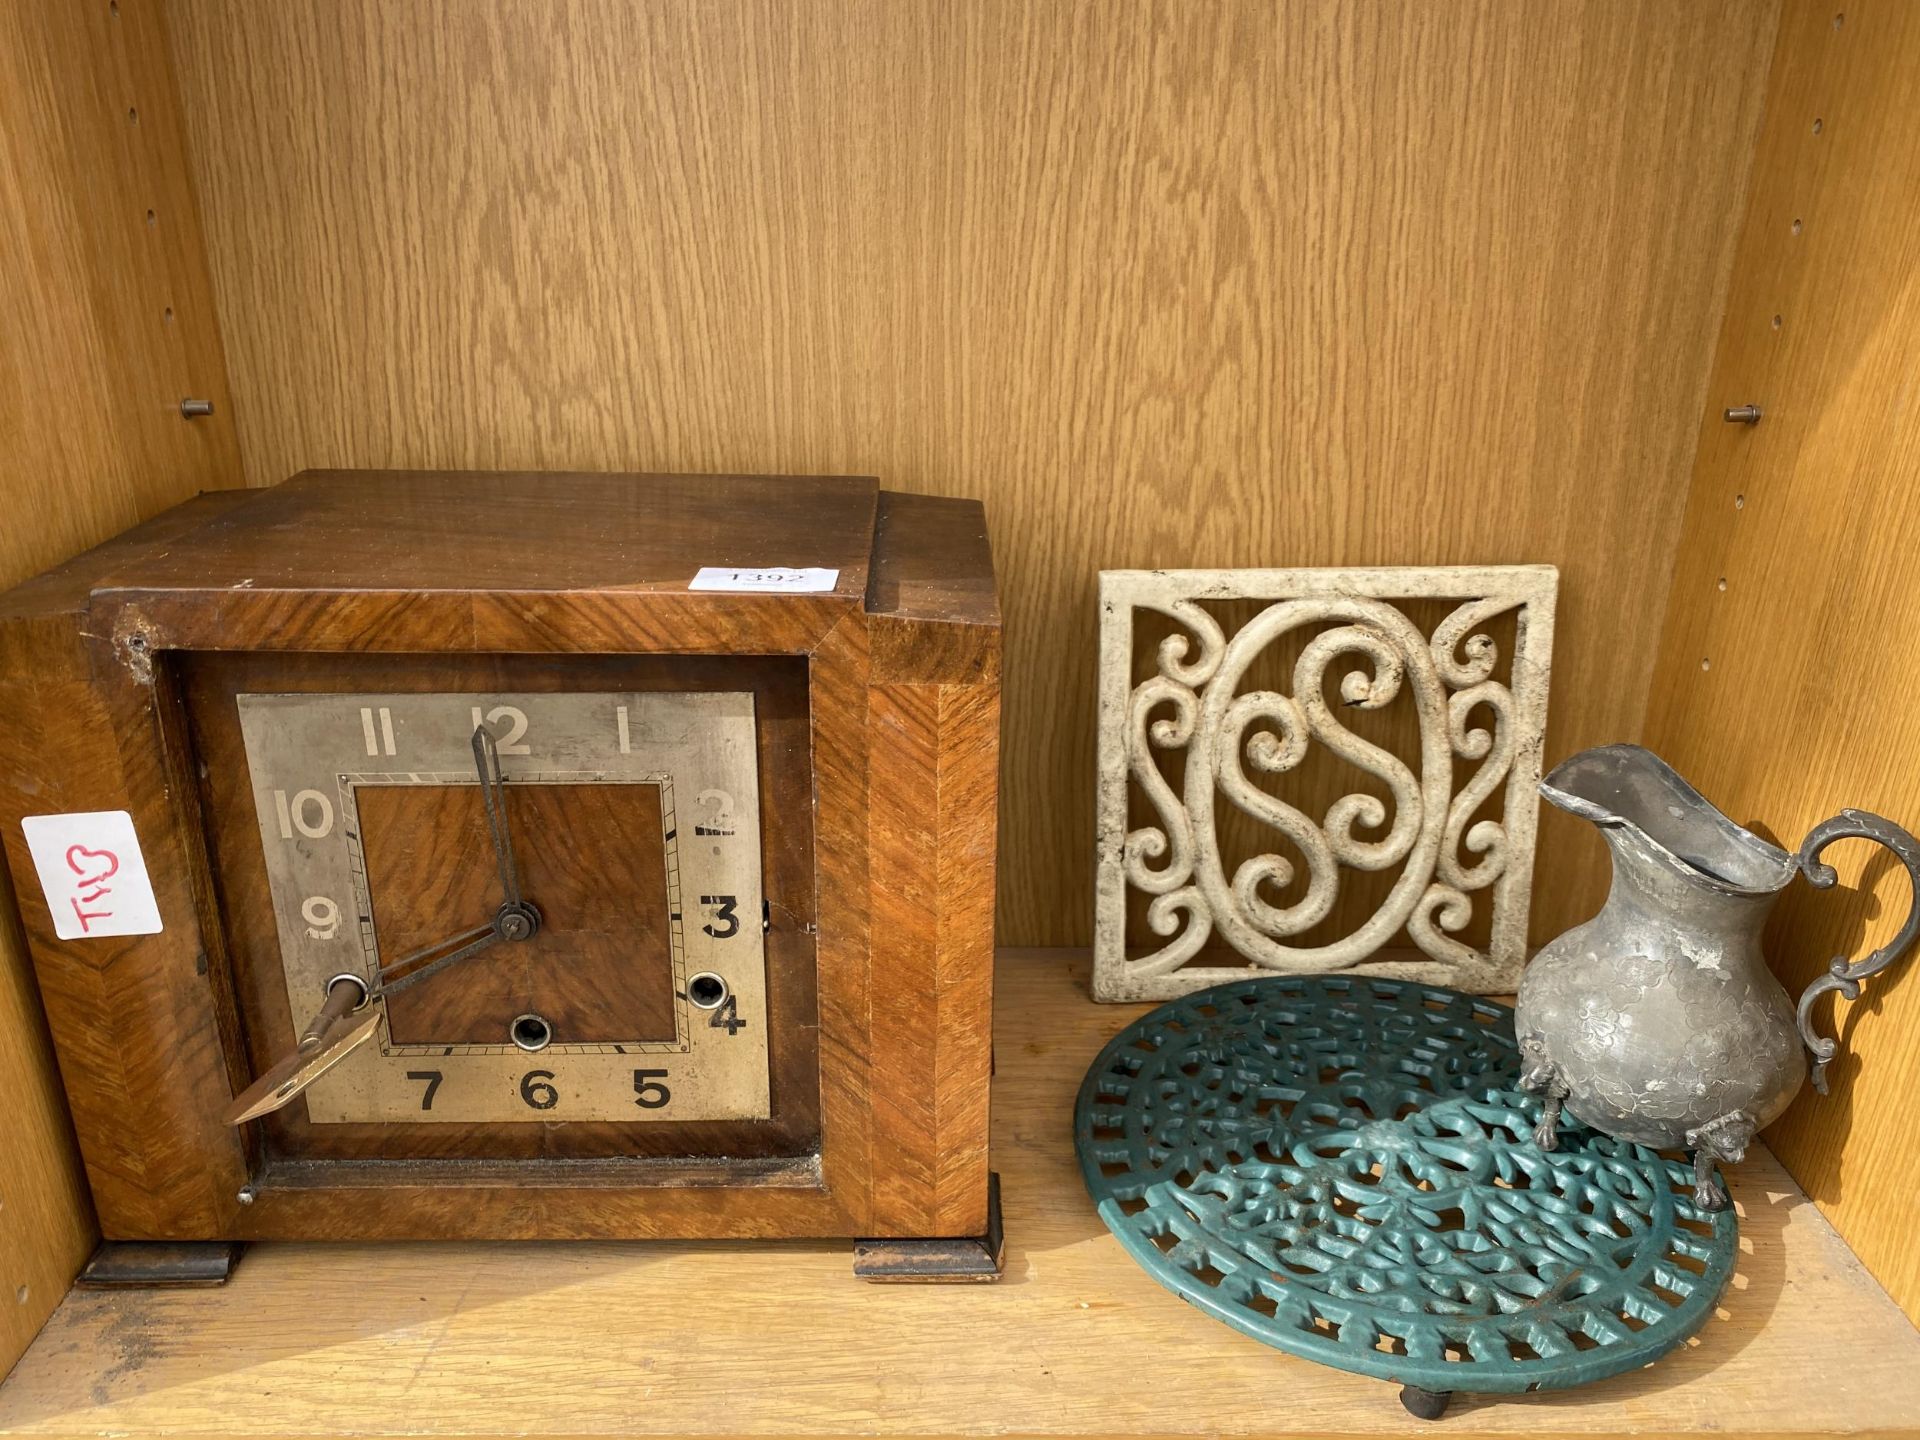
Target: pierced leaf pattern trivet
(1344, 1168)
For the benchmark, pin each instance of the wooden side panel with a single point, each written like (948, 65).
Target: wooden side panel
(1784, 686)
(963, 1067)
(138, 1041)
(904, 737)
(934, 753)
(838, 680)
(934, 743)
(109, 324)
(1301, 284)
(46, 1219)
(110, 319)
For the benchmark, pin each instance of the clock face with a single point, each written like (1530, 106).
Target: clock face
(660, 814)
(635, 832)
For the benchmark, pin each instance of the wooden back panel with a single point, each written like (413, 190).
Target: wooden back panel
(1784, 689)
(1300, 284)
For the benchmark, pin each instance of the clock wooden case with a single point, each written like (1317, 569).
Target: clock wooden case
(514, 887)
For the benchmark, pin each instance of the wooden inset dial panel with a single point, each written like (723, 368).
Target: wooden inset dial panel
(601, 968)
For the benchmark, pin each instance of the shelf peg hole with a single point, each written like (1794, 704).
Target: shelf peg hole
(1797, 226)
(1777, 322)
(20, 1295)
(1739, 502)
(133, 116)
(1839, 19)
(1721, 585)
(167, 315)
(1705, 663)
(1819, 125)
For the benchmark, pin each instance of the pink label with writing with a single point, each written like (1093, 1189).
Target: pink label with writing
(93, 874)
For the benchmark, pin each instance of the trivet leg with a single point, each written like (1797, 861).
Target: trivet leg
(1425, 1404)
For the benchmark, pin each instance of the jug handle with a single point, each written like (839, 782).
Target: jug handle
(1842, 976)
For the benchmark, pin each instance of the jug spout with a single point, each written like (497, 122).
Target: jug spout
(1656, 821)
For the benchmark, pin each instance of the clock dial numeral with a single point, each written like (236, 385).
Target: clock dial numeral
(720, 821)
(650, 1091)
(516, 722)
(724, 914)
(537, 1092)
(309, 812)
(322, 916)
(727, 1017)
(433, 1079)
(379, 740)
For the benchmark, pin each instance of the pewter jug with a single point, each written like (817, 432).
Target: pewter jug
(1657, 1021)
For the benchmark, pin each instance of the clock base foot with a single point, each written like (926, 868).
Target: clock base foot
(974, 1258)
(143, 1264)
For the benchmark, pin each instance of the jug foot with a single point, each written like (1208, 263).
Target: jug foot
(1707, 1191)
(1723, 1140)
(1547, 1133)
(1541, 1076)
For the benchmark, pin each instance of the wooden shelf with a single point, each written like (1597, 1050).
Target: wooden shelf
(607, 1339)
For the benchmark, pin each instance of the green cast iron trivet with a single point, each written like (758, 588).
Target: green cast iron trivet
(1345, 1169)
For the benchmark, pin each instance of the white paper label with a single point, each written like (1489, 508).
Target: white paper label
(93, 874)
(767, 580)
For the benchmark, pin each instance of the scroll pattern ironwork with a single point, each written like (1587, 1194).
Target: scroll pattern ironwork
(1193, 703)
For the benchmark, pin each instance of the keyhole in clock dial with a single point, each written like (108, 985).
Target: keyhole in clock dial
(531, 1032)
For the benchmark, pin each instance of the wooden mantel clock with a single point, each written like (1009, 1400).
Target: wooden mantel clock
(440, 855)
